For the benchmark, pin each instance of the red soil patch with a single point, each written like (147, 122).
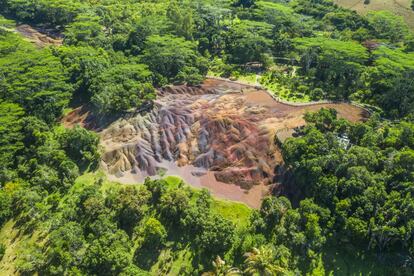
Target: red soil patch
(81, 116)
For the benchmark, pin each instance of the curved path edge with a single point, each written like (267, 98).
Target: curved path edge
(312, 103)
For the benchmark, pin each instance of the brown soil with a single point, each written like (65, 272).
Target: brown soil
(41, 38)
(219, 136)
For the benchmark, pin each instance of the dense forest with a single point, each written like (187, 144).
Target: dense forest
(348, 185)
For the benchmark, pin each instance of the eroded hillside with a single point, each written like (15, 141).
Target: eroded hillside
(219, 136)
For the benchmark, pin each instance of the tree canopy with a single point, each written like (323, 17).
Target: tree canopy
(343, 192)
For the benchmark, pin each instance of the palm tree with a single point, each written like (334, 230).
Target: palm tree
(262, 262)
(221, 269)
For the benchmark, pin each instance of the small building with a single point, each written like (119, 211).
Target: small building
(344, 141)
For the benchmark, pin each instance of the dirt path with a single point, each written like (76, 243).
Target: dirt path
(40, 39)
(241, 86)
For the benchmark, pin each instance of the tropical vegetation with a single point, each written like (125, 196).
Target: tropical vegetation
(352, 182)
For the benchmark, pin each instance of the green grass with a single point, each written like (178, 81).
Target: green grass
(213, 73)
(173, 263)
(16, 240)
(236, 212)
(183, 261)
(66, 111)
(173, 181)
(286, 94)
(340, 260)
(9, 238)
(86, 179)
(248, 78)
(277, 89)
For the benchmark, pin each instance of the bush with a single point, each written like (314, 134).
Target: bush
(152, 232)
(122, 87)
(30, 259)
(173, 58)
(5, 206)
(317, 94)
(81, 145)
(2, 251)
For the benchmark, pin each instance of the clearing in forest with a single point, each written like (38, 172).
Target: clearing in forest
(220, 136)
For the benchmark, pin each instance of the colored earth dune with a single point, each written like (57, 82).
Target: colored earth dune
(219, 136)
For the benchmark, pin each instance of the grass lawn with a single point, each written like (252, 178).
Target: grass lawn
(9, 238)
(286, 94)
(173, 181)
(16, 240)
(248, 78)
(236, 212)
(173, 263)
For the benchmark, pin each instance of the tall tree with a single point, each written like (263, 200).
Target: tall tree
(261, 261)
(174, 59)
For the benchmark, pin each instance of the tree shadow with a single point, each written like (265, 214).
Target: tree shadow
(90, 118)
(146, 256)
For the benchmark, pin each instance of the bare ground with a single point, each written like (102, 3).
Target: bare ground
(219, 136)
(41, 38)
